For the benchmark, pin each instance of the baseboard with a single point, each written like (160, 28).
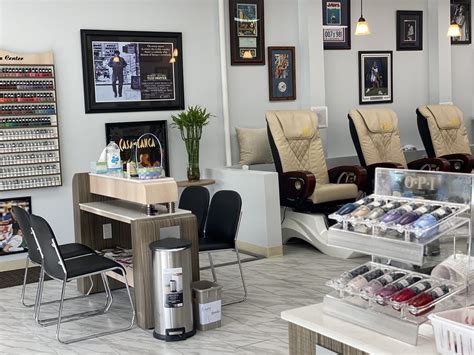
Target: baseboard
(259, 250)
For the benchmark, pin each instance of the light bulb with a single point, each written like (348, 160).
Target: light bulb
(454, 30)
(172, 60)
(175, 52)
(247, 55)
(362, 28)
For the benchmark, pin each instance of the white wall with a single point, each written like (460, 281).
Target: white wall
(410, 74)
(463, 78)
(55, 25)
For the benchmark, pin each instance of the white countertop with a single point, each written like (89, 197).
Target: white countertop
(314, 319)
(125, 211)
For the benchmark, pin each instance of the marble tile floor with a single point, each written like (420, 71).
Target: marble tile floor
(254, 327)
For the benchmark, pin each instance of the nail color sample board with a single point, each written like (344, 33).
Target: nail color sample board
(29, 133)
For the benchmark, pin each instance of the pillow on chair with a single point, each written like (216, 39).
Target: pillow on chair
(254, 146)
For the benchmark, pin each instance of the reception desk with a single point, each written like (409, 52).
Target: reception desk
(131, 228)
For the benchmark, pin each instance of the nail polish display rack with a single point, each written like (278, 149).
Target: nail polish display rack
(402, 245)
(29, 136)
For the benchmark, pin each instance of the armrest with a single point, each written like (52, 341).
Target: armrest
(371, 168)
(348, 175)
(295, 187)
(437, 164)
(463, 163)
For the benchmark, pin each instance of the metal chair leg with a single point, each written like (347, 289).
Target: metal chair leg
(244, 298)
(23, 290)
(92, 336)
(213, 270)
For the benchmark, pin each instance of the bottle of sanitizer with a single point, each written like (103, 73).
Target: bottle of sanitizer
(114, 164)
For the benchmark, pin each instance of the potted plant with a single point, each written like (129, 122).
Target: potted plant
(190, 124)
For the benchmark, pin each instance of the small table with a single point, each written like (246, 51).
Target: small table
(202, 182)
(310, 326)
(131, 228)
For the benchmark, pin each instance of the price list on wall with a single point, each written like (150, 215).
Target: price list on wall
(29, 135)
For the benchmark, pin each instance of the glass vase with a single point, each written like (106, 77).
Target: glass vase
(192, 147)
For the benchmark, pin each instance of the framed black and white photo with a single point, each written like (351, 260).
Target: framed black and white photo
(12, 239)
(132, 71)
(247, 32)
(409, 30)
(282, 73)
(461, 14)
(375, 77)
(126, 134)
(337, 24)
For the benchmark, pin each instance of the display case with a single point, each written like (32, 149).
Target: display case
(29, 134)
(417, 227)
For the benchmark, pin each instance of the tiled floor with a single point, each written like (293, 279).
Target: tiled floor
(254, 327)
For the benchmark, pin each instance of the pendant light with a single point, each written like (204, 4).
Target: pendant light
(362, 28)
(454, 29)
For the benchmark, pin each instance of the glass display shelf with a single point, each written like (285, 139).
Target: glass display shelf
(413, 212)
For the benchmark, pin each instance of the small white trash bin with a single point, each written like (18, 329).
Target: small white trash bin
(207, 304)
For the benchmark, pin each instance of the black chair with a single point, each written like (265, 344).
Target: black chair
(196, 200)
(65, 270)
(71, 250)
(222, 228)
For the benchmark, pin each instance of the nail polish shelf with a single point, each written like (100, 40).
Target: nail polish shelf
(28, 104)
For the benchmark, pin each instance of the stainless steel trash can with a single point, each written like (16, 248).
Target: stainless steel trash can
(172, 275)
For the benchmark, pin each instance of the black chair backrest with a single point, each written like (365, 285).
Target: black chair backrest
(52, 260)
(196, 200)
(223, 218)
(22, 217)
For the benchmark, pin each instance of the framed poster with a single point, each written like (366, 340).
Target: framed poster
(282, 73)
(375, 77)
(132, 71)
(409, 30)
(461, 14)
(247, 32)
(11, 237)
(125, 134)
(337, 24)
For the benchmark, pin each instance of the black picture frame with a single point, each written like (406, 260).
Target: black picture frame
(281, 73)
(149, 67)
(125, 135)
(12, 240)
(336, 24)
(409, 30)
(247, 32)
(461, 13)
(375, 86)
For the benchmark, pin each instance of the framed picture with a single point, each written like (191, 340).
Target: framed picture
(132, 71)
(461, 14)
(126, 134)
(247, 32)
(282, 73)
(337, 24)
(11, 237)
(409, 30)
(375, 77)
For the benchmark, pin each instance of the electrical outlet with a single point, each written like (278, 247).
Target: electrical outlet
(107, 231)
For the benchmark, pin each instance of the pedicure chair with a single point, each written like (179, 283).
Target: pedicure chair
(376, 138)
(444, 135)
(308, 190)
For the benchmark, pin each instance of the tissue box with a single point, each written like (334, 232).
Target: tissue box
(98, 167)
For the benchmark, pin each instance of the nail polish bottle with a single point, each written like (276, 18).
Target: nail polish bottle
(361, 281)
(350, 207)
(376, 285)
(396, 214)
(380, 211)
(348, 276)
(411, 217)
(426, 298)
(365, 209)
(408, 293)
(431, 219)
(383, 294)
